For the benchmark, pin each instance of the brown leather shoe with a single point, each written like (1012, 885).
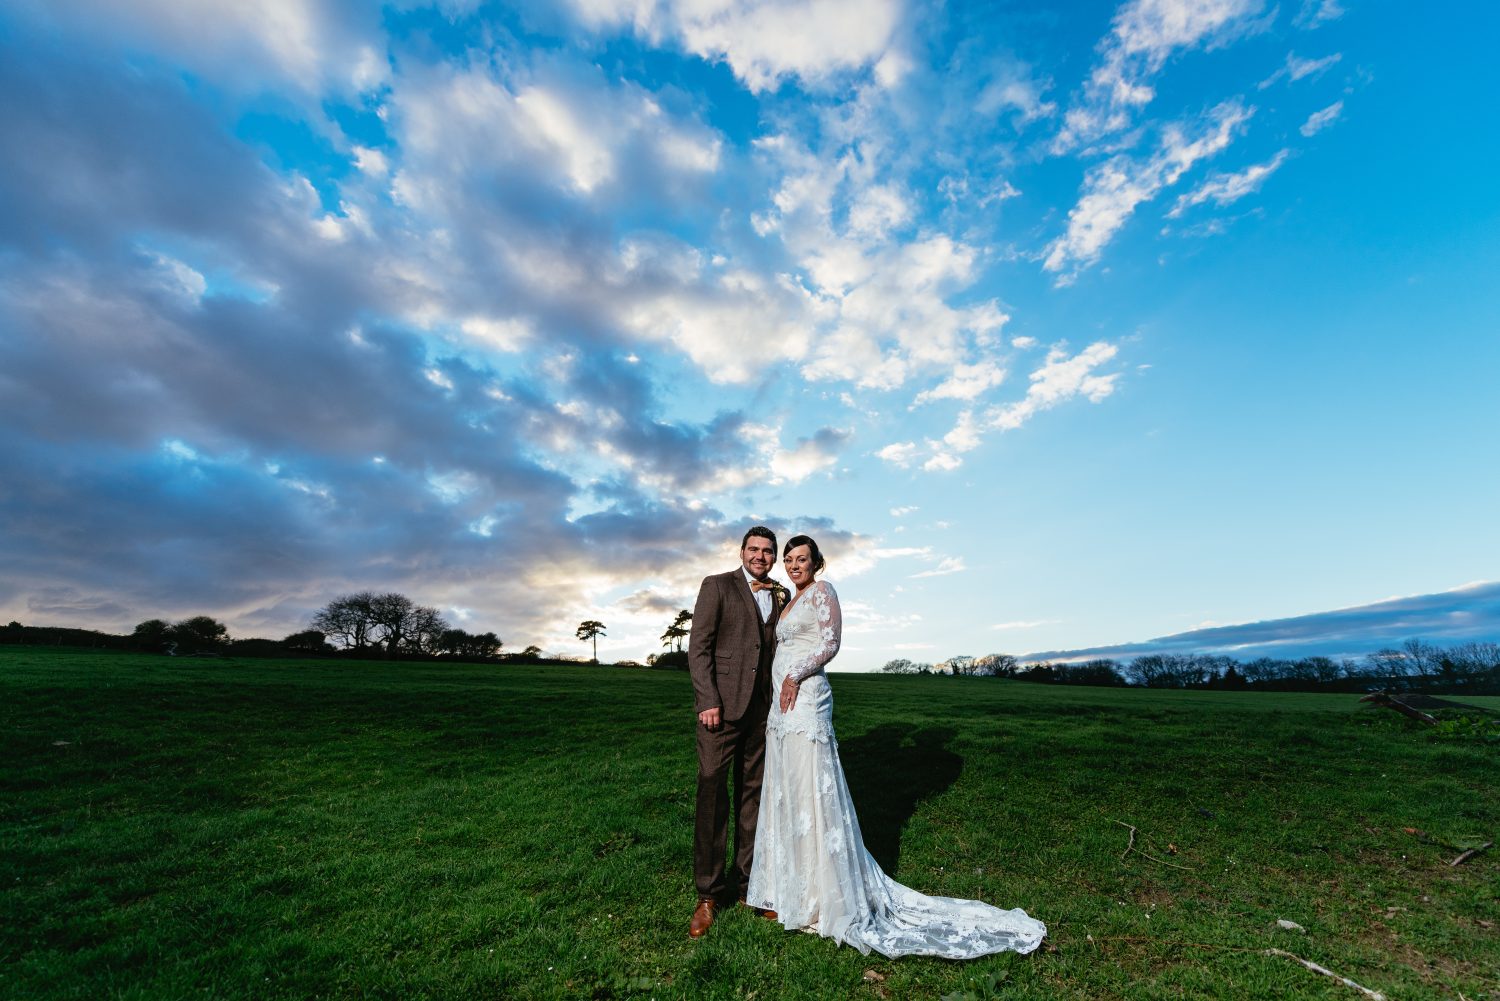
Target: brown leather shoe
(760, 912)
(703, 917)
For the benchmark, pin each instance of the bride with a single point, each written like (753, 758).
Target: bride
(811, 866)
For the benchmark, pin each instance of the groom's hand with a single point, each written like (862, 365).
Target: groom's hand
(711, 718)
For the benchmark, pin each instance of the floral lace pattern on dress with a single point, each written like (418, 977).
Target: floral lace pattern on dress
(811, 866)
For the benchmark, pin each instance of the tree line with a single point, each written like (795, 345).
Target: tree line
(1472, 667)
(362, 624)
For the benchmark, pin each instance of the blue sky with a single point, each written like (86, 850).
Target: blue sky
(1060, 327)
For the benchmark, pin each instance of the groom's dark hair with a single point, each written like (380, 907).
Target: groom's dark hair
(762, 532)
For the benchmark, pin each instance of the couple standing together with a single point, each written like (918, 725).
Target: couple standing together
(765, 715)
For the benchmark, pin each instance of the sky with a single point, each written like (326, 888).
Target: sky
(1059, 327)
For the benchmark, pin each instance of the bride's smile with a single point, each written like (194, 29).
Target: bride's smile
(799, 567)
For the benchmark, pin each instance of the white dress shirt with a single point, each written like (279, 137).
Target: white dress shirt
(762, 597)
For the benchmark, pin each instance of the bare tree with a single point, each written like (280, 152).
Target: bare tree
(391, 619)
(956, 666)
(999, 665)
(347, 620)
(424, 629)
(1422, 656)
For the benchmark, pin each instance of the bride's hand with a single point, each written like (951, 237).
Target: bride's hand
(788, 694)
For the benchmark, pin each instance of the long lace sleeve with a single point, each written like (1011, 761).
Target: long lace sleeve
(825, 603)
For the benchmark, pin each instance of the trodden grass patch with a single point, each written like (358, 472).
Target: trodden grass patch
(265, 829)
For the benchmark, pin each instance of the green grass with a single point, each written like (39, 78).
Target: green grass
(176, 829)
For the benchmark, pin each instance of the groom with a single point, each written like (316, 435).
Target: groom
(729, 656)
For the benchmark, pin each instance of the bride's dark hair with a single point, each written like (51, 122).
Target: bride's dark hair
(812, 549)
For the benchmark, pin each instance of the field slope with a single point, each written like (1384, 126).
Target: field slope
(175, 829)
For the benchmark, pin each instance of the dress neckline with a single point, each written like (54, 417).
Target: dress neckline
(793, 603)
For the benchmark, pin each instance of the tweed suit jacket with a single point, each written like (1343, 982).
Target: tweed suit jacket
(730, 650)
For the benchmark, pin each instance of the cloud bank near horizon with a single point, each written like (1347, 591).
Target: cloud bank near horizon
(1471, 612)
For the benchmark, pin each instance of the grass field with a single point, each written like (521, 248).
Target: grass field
(264, 829)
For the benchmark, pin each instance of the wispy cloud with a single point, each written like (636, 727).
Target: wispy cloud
(765, 43)
(1113, 190)
(1320, 120)
(1143, 36)
(1296, 69)
(1313, 13)
(948, 565)
(1023, 624)
(1225, 189)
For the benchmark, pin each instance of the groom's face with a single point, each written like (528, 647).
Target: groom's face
(759, 556)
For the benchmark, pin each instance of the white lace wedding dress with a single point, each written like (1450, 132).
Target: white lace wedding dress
(811, 866)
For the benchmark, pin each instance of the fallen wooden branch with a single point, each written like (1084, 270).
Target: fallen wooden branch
(1470, 854)
(1373, 995)
(1392, 702)
(1132, 848)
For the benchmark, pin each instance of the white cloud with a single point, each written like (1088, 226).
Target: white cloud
(1015, 90)
(1022, 343)
(1144, 34)
(1061, 378)
(948, 565)
(1224, 189)
(313, 45)
(176, 277)
(541, 122)
(898, 453)
(1023, 624)
(815, 454)
(370, 161)
(966, 382)
(768, 41)
(1296, 69)
(880, 209)
(901, 512)
(731, 323)
(1320, 120)
(504, 334)
(1113, 190)
(553, 124)
(1316, 12)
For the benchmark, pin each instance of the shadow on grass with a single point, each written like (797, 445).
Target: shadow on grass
(890, 770)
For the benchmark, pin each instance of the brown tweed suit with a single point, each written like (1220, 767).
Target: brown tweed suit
(729, 657)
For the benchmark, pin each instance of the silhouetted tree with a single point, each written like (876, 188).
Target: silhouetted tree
(962, 664)
(457, 643)
(996, 665)
(677, 631)
(199, 634)
(348, 620)
(153, 634)
(424, 628)
(673, 637)
(900, 666)
(591, 629)
(307, 641)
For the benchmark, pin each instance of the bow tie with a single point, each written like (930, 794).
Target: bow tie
(762, 585)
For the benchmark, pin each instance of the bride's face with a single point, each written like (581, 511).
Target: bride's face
(799, 566)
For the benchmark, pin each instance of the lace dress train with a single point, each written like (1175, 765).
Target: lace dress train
(811, 866)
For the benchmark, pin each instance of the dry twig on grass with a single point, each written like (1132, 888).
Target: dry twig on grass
(1132, 848)
(1470, 854)
(1373, 995)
